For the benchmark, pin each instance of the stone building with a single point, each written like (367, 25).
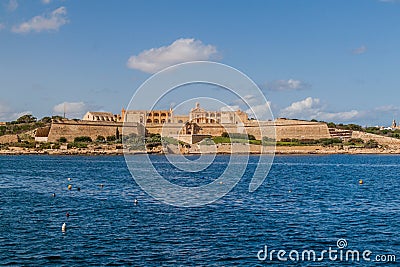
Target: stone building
(148, 117)
(200, 115)
(100, 116)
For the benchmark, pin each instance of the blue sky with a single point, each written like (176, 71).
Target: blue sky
(335, 60)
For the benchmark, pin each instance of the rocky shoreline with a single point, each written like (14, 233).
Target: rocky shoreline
(221, 149)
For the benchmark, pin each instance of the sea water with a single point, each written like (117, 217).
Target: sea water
(305, 203)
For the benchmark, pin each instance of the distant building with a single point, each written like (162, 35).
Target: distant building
(148, 117)
(42, 134)
(200, 115)
(196, 115)
(2, 123)
(100, 116)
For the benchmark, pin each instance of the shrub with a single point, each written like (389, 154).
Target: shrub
(353, 141)
(62, 140)
(111, 138)
(82, 139)
(77, 145)
(371, 144)
(224, 134)
(331, 125)
(26, 119)
(45, 120)
(100, 138)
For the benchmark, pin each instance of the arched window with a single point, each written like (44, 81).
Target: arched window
(149, 121)
(156, 121)
(156, 114)
(163, 121)
(163, 114)
(180, 121)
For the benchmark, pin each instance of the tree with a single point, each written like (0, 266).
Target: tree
(28, 118)
(111, 138)
(45, 120)
(62, 140)
(82, 139)
(100, 138)
(371, 144)
(117, 134)
(57, 117)
(331, 125)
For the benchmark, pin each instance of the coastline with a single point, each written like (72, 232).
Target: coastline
(224, 150)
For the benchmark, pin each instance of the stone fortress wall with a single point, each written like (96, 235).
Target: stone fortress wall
(199, 122)
(71, 129)
(284, 129)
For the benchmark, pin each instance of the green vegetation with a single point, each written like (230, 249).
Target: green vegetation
(206, 142)
(111, 138)
(302, 142)
(100, 138)
(62, 140)
(227, 140)
(371, 144)
(26, 119)
(82, 139)
(23, 124)
(154, 140)
(78, 145)
(238, 136)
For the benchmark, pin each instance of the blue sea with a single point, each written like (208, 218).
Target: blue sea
(305, 203)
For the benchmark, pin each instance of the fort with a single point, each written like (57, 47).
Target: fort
(191, 128)
(71, 129)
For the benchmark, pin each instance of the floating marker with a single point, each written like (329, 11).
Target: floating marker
(54, 194)
(135, 201)
(69, 179)
(69, 187)
(79, 189)
(361, 181)
(101, 185)
(67, 214)
(64, 227)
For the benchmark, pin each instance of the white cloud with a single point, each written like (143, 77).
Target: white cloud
(360, 50)
(262, 111)
(12, 5)
(72, 109)
(46, 2)
(287, 85)
(181, 50)
(7, 114)
(230, 108)
(253, 106)
(47, 22)
(388, 108)
(310, 108)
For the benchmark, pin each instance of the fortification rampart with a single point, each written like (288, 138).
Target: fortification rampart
(382, 140)
(72, 129)
(9, 138)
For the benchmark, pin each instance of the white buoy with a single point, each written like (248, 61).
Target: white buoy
(135, 201)
(69, 179)
(64, 227)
